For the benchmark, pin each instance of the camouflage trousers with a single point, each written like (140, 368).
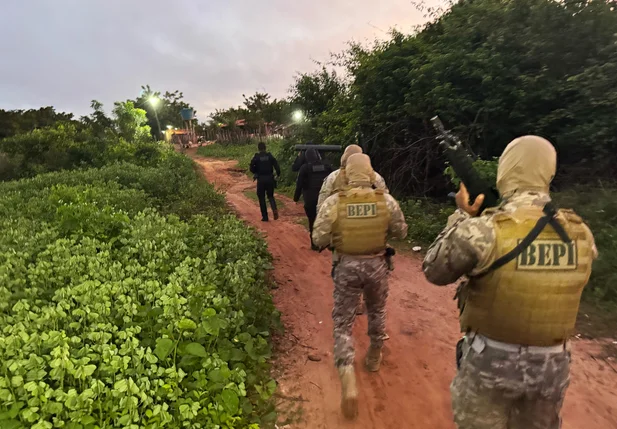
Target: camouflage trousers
(354, 277)
(499, 389)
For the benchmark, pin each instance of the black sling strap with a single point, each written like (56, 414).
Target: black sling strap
(549, 218)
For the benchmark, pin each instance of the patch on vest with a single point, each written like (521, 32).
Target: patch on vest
(361, 210)
(317, 168)
(544, 255)
(264, 158)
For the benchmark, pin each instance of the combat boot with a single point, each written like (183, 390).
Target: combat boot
(276, 214)
(373, 359)
(349, 391)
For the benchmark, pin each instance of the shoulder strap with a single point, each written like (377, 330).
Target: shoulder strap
(549, 218)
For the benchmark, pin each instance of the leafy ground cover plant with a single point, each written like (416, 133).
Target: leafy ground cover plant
(116, 314)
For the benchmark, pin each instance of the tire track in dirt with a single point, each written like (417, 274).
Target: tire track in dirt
(412, 388)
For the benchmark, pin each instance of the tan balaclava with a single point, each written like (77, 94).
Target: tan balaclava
(527, 164)
(349, 150)
(359, 170)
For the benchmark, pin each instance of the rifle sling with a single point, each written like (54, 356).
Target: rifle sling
(547, 219)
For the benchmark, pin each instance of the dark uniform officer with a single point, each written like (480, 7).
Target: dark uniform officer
(263, 166)
(301, 159)
(310, 179)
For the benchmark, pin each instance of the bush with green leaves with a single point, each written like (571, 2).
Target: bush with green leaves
(425, 219)
(598, 207)
(114, 315)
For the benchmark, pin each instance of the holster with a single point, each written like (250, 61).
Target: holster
(334, 264)
(390, 252)
(460, 295)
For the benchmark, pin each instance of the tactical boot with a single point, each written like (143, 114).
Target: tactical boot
(373, 359)
(276, 214)
(349, 391)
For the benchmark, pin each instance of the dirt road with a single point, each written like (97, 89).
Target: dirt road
(412, 388)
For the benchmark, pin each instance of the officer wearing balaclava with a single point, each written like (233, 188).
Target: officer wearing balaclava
(357, 222)
(525, 267)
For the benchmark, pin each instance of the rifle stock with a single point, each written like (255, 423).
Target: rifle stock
(462, 164)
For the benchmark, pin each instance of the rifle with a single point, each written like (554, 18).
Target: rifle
(462, 164)
(319, 147)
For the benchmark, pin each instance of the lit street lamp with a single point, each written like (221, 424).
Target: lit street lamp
(298, 116)
(154, 101)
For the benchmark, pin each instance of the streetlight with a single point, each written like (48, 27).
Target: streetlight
(298, 115)
(154, 101)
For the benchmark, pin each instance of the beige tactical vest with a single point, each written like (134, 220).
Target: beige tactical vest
(534, 299)
(362, 222)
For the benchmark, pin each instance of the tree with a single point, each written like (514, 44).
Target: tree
(493, 70)
(131, 122)
(98, 121)
(13, 122)
(314, 92)
(167, 109)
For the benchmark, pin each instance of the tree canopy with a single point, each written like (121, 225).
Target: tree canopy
(493, 70)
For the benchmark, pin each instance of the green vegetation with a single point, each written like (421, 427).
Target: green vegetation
(598, 206)
(492, 70)
(96, 141)
(129, 296)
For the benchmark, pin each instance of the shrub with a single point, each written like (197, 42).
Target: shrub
(114, 315)
(425, 219)
(66, 147)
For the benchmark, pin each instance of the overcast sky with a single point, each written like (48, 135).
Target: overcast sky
(67, 52)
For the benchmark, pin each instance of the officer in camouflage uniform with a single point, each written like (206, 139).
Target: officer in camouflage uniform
(337, 181)
(518, 307)
(357, 223)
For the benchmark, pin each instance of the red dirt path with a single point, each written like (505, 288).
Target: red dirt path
(412, 388)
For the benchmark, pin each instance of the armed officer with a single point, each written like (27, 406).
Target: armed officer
(310, 179)
(357, 223)
(526, 267)
(263, 166)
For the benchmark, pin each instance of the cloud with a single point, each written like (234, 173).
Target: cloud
(68, 52)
